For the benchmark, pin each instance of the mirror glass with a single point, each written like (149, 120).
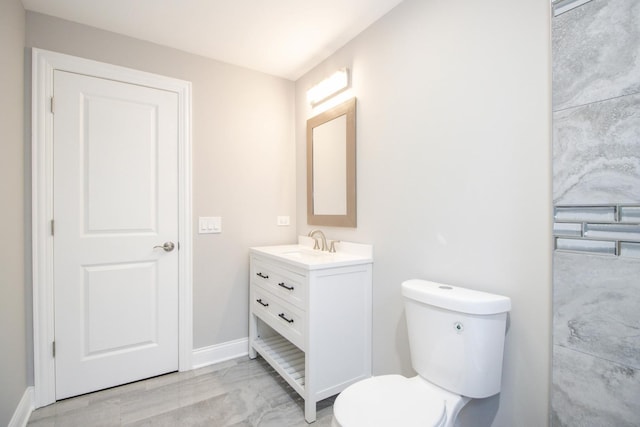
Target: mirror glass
(331, 167)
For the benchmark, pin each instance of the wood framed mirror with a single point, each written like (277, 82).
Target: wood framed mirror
(331, 166)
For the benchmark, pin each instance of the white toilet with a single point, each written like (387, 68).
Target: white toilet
(456, 337)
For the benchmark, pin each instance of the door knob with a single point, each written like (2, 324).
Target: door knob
(168, 246)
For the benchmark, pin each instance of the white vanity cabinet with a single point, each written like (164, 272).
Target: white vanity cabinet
(310, 318)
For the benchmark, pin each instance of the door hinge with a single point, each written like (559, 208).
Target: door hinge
(178, 245)
(53, 346)
(52, 227)
(52, 105)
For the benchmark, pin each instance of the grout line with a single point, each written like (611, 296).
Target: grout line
(594, 102)
(636, 368)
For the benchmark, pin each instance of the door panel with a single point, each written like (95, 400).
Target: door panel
(115, 198)
(113, 324)
(124, 200)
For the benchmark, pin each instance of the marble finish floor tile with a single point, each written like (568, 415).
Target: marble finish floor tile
(240, 392)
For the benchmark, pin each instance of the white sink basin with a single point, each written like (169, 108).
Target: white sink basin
(302, 253)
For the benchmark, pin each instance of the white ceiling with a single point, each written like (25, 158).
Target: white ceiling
(285, 38)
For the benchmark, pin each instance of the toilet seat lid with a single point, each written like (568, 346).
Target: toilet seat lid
(390, 400)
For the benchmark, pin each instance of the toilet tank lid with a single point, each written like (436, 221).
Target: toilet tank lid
(455, 298)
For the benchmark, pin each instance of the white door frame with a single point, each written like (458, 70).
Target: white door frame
(44, 63)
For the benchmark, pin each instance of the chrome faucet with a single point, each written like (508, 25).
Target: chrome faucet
(312, 234)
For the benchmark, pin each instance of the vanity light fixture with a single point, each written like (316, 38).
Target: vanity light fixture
(328, 87)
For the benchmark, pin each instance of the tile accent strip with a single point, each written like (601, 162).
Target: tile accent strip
(585, 213)
(600, 229)
(630, 214)
(630, 250)
(562, 6)
(583, 245)
(567, 229)
(613, 231)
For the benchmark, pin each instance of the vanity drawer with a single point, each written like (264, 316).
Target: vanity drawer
(283, 283)
(284, 318)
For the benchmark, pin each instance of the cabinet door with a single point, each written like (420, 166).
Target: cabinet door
(286, 284)
(284, 318)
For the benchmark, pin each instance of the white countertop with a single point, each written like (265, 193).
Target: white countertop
(303, 255)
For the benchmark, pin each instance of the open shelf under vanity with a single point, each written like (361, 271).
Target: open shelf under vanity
(287, 359)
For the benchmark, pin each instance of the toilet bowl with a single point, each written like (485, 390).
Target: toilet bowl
(394, 400)
(456, 338)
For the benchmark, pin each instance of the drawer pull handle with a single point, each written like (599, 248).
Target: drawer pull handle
(264, 304)
(264, 276)
(289, 288)
(283, 317)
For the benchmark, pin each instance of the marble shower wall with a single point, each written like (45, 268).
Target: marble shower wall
(595, 154)
(596, 161)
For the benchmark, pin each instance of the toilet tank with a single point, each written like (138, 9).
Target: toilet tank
(456, 336)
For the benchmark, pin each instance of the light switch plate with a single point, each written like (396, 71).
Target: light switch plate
(209, 225)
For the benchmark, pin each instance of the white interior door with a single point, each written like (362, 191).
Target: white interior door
(115, 199)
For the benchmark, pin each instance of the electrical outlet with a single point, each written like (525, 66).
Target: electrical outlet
(283, 220)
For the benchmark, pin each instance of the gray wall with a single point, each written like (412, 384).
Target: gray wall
(596, 102)
(243, 161)
(13, 358)
(454, 175)
(453, 170)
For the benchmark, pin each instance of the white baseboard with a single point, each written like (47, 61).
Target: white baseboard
(24, 409)
(219, 352)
